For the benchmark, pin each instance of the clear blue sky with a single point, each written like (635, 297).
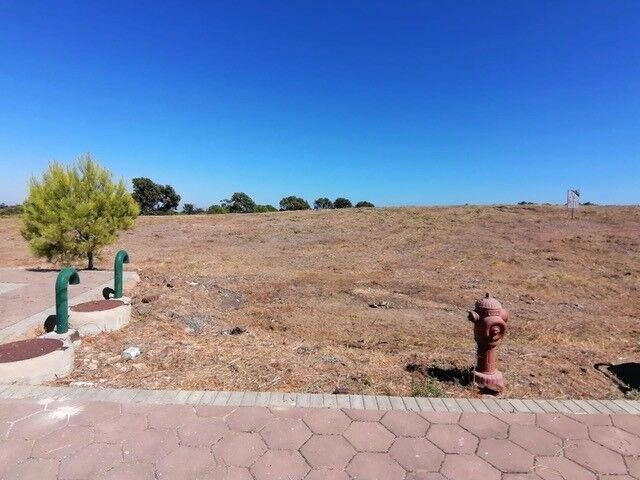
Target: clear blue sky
(394, 102)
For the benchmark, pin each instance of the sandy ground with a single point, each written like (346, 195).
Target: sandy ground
(300, 284)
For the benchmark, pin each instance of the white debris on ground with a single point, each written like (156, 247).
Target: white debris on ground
(131, 352)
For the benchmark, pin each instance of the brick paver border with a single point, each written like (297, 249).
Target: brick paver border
(310, 400)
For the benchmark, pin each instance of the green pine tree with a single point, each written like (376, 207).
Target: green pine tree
(73, 212)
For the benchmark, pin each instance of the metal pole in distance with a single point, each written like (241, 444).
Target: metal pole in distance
(121, 258)
(66, 277)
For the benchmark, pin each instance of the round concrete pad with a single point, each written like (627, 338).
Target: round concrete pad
(26, 349)
(96, 306)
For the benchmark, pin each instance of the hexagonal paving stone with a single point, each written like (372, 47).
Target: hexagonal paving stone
(36, 426)
(239, 449)
(111, 430)
(369, 437)
(285, 433)
(633, 464)
(535, 440)
(441, 417)
(93, 412)
(326, 421)
(615, 439)
(425, 476)
(201, 432)
(516, 418)
(13, 452)
(484, 426)
(169, 416)
(562, 426)
(186, 463)
(215, 411)
(628, 423)
(327, 451)
(280, 465)
(595, 457)
(560, 468)
(34, 469)
(521, 476)
(452, 439)
(591, 419)
(63, 442)
(12, 410)
(138, 471)
(405, 424)
(91, 461)
(288, 412)
(364, 415)
(227, 473)
(248, 419)
(417, 454)
(468, 467)
(327, 475)
(149, 445)
(375, 466)
(505, 455)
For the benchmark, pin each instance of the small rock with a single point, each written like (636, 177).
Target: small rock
(81, 384)
(113, 359)
(193, 284)
(380, 305)
(131, 352)
(92, 366)
(139, 366)
(237, 330)
(169, 285)
(150, 298)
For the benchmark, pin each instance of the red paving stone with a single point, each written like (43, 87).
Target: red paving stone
(69, 439)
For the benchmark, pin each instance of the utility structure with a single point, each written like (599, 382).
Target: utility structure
(489, 326)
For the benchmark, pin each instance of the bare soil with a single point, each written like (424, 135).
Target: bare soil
(299, 286)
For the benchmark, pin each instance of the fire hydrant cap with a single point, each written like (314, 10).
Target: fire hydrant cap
(488, 303)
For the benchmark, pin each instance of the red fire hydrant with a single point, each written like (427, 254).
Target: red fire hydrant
(490, 324)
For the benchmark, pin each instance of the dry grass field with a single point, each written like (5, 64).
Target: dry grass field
(300, 286)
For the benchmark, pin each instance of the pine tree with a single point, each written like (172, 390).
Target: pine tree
(73, 212)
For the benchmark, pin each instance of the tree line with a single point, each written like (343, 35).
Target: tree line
(156, 199)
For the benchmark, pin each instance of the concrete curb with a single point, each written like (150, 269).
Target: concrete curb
(25, 324)
(310, 400)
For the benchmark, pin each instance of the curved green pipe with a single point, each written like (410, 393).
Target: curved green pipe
(121, 258)
(66, 277)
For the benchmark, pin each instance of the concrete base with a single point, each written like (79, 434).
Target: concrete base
(489, 381)
(39, 369)
(89, 323)
(70, 339)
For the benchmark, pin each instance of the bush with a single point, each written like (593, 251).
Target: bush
(322, 203)
(191, 209)
(364, 204)
(265, 209)
(239, 202)
(153, 198)
(217, 209)
(341, 202)
(72, 212)
(10, 209)
(293, 203)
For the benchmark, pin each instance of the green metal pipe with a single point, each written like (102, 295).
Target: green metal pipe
(121, 258)
(66, 277)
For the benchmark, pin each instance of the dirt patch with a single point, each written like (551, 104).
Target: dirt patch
(301, 285)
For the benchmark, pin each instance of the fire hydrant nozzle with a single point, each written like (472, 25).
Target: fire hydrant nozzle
(490, 324)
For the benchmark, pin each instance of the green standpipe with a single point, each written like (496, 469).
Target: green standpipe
(121, 258)
(66, 277)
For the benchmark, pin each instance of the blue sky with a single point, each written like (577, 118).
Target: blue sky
(394, 102)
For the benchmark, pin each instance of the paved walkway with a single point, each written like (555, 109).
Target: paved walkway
(56, 438)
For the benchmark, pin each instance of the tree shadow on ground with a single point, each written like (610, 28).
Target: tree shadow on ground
(625, 375)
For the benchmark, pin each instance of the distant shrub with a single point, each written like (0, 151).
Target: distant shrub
(239, 202)
(525, 203)
(191, 209)
(265, 209)
(341, 202)
(10, 209)
(364, 204)
(322, 203)
(217, 210)
(294, 203)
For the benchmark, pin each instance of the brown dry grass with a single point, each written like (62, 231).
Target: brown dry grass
(304, 281)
